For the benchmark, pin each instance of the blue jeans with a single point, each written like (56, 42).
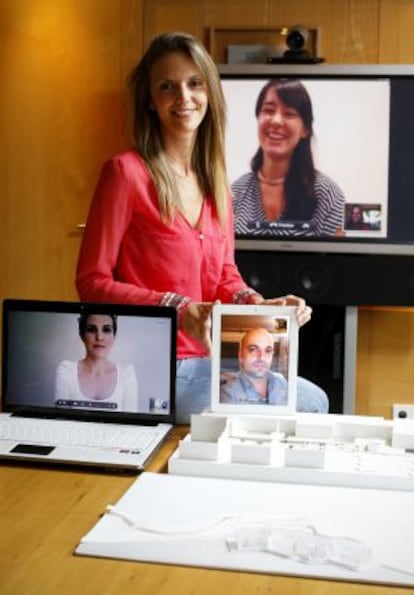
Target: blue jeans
(193, 390)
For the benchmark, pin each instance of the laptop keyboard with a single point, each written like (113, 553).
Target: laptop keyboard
(69, 433)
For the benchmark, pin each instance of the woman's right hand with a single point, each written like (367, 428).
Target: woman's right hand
(196, 322)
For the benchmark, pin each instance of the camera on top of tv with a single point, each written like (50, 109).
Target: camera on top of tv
(296, 41)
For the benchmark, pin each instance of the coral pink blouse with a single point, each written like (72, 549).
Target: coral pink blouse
(130, 255)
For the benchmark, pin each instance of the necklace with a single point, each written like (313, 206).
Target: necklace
(270, 181)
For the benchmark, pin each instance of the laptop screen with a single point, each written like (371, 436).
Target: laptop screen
(86, 360)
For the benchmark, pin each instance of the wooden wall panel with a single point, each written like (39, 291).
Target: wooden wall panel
(396, 43)
(385, 361)
(163, 15)
(61, 115)
(130, 36)
(243, 13)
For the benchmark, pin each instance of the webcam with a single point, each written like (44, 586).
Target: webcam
(296, 39)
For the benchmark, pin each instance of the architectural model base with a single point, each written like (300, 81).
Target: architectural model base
(339, 450)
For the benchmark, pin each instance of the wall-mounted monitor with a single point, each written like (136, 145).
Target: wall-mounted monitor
(339, 179)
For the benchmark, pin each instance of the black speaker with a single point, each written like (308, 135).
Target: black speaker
(328, 278)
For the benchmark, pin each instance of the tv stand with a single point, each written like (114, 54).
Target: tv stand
(350, 355)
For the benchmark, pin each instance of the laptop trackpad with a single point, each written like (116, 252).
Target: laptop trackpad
(32, 449)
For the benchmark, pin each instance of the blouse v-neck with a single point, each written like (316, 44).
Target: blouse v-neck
(197, 227)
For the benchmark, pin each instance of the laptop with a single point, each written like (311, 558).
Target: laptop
(86, 384)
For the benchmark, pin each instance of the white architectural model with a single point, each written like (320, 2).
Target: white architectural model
(341, 450)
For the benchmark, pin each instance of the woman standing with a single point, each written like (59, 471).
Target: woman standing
(160, 226)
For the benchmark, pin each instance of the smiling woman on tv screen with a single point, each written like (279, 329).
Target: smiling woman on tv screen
(284, 193)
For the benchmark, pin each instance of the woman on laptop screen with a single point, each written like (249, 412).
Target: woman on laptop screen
(160, 226)
(283, 194)
(95, 382)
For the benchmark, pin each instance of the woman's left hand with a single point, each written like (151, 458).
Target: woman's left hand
(303, 311)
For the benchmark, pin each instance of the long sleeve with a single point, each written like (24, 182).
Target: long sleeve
(105, 236)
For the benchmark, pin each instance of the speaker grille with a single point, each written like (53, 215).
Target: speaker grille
(337, 279)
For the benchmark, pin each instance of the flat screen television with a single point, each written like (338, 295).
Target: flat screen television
(363, 140)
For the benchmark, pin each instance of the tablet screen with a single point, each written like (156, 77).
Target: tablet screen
(254, 362)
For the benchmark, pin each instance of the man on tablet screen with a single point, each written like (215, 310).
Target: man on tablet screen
(255, 382)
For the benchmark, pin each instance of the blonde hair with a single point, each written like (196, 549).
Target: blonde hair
(208, 159)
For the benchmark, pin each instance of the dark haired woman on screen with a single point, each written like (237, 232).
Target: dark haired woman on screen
(160, 226)
(284, 194)
(95, 382)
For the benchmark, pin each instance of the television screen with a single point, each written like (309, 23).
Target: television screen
(321, 157)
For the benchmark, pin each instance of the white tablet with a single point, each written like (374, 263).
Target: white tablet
(254, 359)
